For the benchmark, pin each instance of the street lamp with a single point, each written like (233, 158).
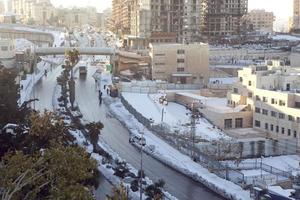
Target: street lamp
(142, 144)
(194, 115)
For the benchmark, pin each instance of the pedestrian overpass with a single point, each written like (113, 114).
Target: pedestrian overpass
(43, 51)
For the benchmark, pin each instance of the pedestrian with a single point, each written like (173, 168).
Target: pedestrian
(100, 100)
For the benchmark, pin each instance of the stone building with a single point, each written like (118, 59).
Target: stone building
(180, 63)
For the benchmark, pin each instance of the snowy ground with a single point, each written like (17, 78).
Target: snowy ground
(45, 64)
(285, 163)
(176, 116)
(170, 156)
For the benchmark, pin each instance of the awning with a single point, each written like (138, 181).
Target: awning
(182, 75)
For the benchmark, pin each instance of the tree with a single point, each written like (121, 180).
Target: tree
(46, 128)
(94, 129)
(56, 173)
(119, 193)
(9, 96)
(154, 191)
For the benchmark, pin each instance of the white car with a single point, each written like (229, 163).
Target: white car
(138, 139)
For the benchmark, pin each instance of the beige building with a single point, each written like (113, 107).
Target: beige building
(180, 63)
(272, 92)
(33, 11)
(260, 20)
(121, 16)
(76, 16)
(296, 14)
(2, 7)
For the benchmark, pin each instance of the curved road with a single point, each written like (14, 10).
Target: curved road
(117, 137)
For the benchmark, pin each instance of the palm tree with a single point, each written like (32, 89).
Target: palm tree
(72, 57)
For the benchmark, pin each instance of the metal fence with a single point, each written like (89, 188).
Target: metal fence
(226, 170)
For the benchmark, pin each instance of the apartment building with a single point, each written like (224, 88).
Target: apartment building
(223, 17)
(272, 92)
(33, 11)
(155, 18)
(180, 63)
(2, 7)
(121, 15)
(260, 20)
(296, 14)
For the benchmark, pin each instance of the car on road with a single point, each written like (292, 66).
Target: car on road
(138, 139)
(82, 66)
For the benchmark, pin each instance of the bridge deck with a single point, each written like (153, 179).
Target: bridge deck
(82, 50)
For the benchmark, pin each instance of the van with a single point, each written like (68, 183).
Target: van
(82, 68)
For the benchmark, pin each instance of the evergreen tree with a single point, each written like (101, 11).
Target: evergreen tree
(9, 96)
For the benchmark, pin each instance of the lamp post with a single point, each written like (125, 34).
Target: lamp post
(142, 143)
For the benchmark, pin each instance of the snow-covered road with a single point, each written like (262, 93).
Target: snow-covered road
(117, 137)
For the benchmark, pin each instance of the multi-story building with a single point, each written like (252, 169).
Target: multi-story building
(223, 17)
(76, 16)
(121, 14)
(260, 20)
(7, 52)
(2, 7)
(41, 12)
(33, 11)
(272, 92)
(166, 20)
(296, 14)
(184, 63)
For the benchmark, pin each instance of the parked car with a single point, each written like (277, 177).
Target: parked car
(138, 139)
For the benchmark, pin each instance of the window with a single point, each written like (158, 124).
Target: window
(180, 51)
(281, 103)
(265, 112)
(257, 110)
(298, 119)
(180, 60)
(249, 83)
(250, 94)
(289, 132)
(228, 123)
(241, 79)
(235, 90)
(180, 69)
(160, 54)
(159, 63)
(281, 116)
(295, 134)
(291, 118)
(257, 98)
(271, 127)
(257, 123)
(277, 129)
(282, 130)
(273, 101)
(239, 123)
(297, 104)
(265, 99)
(4, 48)
(273, 114)
(266, 126)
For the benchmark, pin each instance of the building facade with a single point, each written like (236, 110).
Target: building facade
(180, 63)
(296, 15)
(272, 92)
(2, 7)
(223, 17)
(260, 20)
